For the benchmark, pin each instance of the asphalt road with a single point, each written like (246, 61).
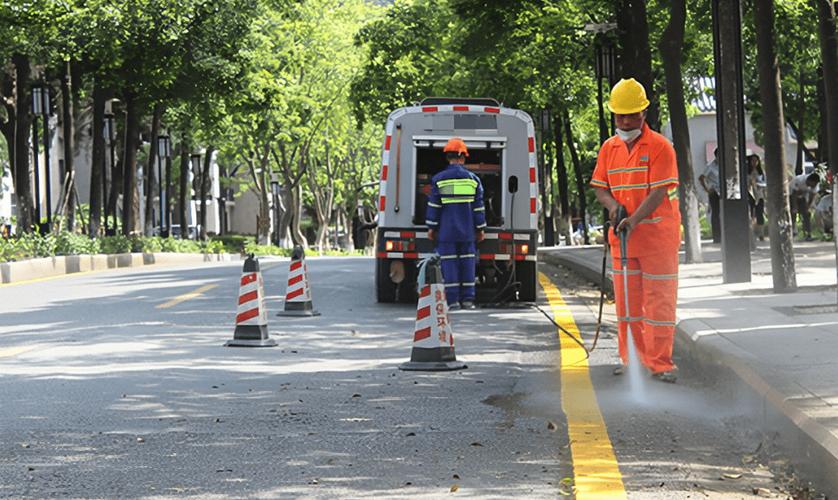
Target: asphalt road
(117, 385)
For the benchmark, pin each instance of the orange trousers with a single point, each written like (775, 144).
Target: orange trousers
(653, 294)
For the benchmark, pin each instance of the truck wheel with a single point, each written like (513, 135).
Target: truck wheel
(385, 290)
(525, 273)
(407, 288)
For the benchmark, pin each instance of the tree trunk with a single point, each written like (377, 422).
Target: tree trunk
(823, 142)
(23, 186)
(8, 127)
(263, 224)
(636, 54)
(297, 212)
(68, 129)
(205, 179)
(98, 161)
(561, 176)
(829, 56)
(183, 194)
(286, 197)
(580, 181)
(801, 119)
(671, 48)
(150, 176)
(129, 165)
(117, 168)
(771, 100)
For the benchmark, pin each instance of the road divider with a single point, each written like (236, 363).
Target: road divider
(33, 270)
(595, 469)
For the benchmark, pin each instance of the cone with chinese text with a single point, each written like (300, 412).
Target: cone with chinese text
(433, 340)
(298, 294)
(251, 316)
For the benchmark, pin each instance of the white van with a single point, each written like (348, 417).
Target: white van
(501, 144)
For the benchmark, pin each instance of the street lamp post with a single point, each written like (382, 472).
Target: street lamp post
(195, 171)
(46, 112)
(275, 192)
(109, 133)
(37, 110)
(164, 150)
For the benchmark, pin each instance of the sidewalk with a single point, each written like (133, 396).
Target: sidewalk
(779, 345)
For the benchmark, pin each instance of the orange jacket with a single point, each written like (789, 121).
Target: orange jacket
(630, 176)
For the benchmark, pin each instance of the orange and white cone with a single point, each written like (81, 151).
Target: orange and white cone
(433, 338)
(251, 317)
(298, 294)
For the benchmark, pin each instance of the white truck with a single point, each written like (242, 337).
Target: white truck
(501, 144)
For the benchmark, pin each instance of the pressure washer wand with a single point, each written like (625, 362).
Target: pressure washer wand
(622, 214)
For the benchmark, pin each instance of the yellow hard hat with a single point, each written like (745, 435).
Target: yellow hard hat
(628, 97)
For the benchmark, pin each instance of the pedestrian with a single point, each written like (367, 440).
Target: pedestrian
(456, 218)
(637, 169)
(709, 180)
(756, 195)
(802, 191)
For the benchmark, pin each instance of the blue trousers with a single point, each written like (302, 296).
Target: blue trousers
(458, 267)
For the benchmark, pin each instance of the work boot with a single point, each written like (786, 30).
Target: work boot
(619, 370)
(668, 377)
(468, 304)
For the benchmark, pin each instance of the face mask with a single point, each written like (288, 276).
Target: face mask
(629, 135)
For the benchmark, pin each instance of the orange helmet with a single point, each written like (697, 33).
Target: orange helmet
(456, 145)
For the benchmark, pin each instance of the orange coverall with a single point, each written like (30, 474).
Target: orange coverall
(652, 245)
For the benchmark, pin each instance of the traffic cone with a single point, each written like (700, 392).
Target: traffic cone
(433, 339)
(298, 295)
(251, 317)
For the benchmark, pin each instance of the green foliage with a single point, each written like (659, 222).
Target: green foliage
(116, 244)
(257, 249)
(68, 243)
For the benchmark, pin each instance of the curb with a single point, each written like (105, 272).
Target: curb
(49, 267)
(580, 267)
(810, 445)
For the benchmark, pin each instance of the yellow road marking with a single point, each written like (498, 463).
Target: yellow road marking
(48, 278)
(595, 469)
(8, 352)
(186, 296)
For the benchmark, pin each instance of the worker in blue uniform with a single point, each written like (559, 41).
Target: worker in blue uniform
(455, 217)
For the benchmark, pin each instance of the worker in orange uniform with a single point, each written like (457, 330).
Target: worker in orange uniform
(637, 169)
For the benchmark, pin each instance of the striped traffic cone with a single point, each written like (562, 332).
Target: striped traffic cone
(433, 339)
(252, 317)
(298, 295)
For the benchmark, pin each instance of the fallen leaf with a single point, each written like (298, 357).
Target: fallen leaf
(454, 489)
(456, 476)
(730, 475)
(551, 426)
(356, 395)
(762, 492)
(408, 483)
(410, 434)
(476, 444)
(140, 440)
(30, 468)
(25, 445)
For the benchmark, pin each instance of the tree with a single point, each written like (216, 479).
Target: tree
(829, 57)
(671, 49)
(771, 99)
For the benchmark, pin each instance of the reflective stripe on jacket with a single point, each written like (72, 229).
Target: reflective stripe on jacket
(455, 205)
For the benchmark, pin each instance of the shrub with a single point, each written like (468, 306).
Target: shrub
(67, 243)
(116, 244)
(255, 249)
